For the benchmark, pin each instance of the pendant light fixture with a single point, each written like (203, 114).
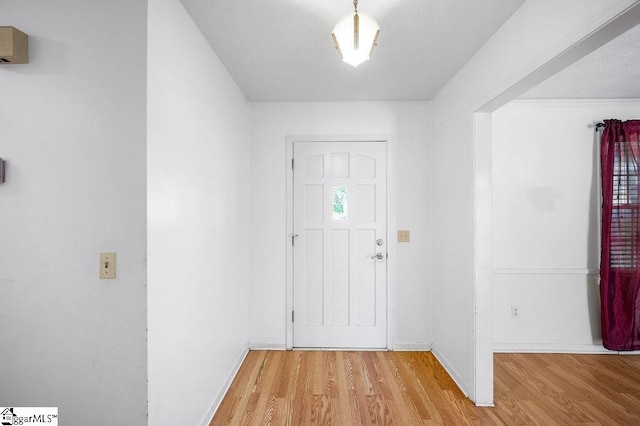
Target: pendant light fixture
(355, 36)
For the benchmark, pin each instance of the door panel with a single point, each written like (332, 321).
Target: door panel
(339, 213)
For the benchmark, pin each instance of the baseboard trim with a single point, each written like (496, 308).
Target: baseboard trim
(266, 346)
(406, 346)
(350, 349)
(452, 372)
(545, 271)
(484, 404)
(629, 353)
(216, 404)
(550, 348)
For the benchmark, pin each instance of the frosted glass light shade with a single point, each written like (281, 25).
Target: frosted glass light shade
(355, 49)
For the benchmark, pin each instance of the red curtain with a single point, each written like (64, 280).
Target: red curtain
(620, 257)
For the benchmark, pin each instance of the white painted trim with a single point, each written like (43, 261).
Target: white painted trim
(289, 247)
(452, 372)
(266, 346)
(545, 271)
(568, 103)
(411, 346)
(482, 379)
(557, 348)
(550, 348)
(392, 243)
(347, 349)
(391, 221)
(227, 384)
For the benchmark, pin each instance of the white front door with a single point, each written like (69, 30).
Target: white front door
(340, 245)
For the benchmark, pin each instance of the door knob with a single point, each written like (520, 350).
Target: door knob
(378, 256)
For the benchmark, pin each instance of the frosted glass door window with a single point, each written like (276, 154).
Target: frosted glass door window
(340, 203)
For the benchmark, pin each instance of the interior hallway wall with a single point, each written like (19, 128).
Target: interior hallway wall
(198, 220)
(546, 203)
(409, 125)
(73, 134)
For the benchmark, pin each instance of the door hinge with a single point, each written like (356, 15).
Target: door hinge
(293, 316)
(292, 164)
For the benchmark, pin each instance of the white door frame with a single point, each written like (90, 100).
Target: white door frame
(391, 222)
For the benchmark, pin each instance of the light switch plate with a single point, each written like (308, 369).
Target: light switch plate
(403, 236)
(107, 266)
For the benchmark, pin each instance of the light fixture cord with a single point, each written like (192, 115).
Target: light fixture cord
(355, 5)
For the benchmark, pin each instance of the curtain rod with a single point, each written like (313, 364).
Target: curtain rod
(598, 126)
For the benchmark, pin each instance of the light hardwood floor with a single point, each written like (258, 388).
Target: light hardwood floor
(412, 388)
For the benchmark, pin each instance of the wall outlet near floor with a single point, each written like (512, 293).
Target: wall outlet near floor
(107, 266)
(403, 236)
(515, 311)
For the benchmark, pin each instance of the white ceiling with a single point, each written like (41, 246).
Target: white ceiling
(610, 72)
(282, 50)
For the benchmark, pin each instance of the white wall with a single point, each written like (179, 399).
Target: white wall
(198, 216)
(73, 135)
(546, 203)
(409, 125)
(535, 35)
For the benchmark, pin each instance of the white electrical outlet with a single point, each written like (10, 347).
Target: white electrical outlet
(107, 266)
(515, 311)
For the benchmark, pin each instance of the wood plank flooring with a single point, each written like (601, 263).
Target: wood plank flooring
(412, 388)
